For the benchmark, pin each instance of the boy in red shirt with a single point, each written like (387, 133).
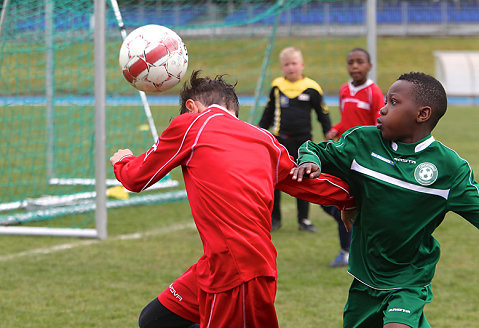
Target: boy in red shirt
(359, 99)
(359, 102)
(230, 169)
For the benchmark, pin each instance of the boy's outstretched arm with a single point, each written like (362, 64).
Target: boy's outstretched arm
(310, 169)
(137, 173)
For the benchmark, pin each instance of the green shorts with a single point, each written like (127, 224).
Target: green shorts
(372, 308)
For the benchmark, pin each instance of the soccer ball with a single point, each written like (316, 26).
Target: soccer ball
(153, 58)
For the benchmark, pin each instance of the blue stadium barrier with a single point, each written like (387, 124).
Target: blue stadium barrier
(389, 12)
(390, 15)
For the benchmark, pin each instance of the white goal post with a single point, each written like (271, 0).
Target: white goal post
(100, 205)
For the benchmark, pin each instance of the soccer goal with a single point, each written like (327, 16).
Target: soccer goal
(47, 120)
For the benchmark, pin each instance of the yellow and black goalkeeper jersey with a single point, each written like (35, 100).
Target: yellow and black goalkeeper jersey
(288, 111)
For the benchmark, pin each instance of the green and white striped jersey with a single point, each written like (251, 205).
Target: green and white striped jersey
(402, 192)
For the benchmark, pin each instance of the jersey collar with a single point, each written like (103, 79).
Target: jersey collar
(223, 108)
(353, 89)
(407, 148)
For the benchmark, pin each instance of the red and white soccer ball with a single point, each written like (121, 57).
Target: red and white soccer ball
(153, 58)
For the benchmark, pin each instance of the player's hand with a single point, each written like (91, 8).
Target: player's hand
(119, 154)
(311, 170)
(347, 216)
(331, 134)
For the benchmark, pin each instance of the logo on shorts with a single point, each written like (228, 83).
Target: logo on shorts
(425, 174)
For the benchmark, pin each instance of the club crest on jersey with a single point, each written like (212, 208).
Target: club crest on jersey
(425, 174)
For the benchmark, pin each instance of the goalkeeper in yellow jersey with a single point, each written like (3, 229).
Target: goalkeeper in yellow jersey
(288, 114)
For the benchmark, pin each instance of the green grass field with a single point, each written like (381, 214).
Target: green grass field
(67, 282)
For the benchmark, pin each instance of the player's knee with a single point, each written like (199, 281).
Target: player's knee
(142, 320)
(156, 315)
(150, 314)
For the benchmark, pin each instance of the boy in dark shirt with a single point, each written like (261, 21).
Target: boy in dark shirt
(288, 113)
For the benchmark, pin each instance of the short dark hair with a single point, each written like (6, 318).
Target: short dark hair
(428, 92)
(209, 91)
(362, 50)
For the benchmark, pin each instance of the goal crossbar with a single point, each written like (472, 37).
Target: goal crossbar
(61, 200)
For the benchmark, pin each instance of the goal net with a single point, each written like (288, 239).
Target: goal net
(47, 120)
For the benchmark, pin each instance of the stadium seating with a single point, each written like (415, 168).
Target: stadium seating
(354, 12)
(329, 12)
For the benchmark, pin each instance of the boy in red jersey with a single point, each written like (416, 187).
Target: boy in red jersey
(359, 99)
(230, 169)
(359, 102)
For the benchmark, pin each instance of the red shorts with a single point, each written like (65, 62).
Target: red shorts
(250, 304)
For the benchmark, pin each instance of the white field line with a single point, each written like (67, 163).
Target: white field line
(82, 243)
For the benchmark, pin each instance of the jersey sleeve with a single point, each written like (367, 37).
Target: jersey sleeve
(322, 112)
(136, 173)
(268, 115)
(325, 190)
(464, 195)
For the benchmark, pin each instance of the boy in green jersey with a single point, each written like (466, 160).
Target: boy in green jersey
(404, 182)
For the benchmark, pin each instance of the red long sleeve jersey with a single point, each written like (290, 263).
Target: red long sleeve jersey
(359, 105)
(231, 169)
